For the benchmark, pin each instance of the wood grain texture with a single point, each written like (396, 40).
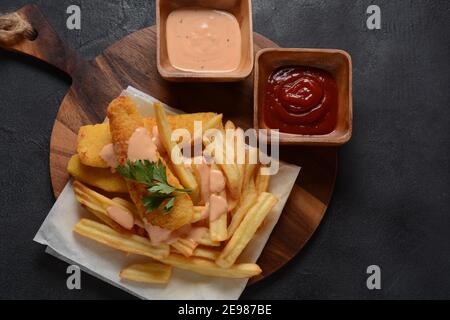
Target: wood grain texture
(132, 61)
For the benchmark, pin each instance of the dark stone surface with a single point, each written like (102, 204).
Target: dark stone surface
(391, 203)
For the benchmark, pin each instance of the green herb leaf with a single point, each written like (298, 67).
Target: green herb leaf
(154, 176)
(169, 205)
(161, 188)
(152, 203)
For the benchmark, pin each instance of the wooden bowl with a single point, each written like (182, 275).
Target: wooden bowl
(336, 62)
(241, 9)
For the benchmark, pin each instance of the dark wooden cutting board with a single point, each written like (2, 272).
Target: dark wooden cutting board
(132, 61)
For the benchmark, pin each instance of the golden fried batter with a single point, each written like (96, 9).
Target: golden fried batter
(124, 119)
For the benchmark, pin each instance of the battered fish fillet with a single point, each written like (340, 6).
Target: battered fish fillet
(124, 119)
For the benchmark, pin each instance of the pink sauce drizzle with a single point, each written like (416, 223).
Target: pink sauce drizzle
(197, 233)
(160, 235)
(121, 216)
(216, 181)
(157, 234)
(109, 155)
(141, 146)
(205, 212)
(217, 206)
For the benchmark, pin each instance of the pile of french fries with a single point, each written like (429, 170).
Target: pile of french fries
(96, 188)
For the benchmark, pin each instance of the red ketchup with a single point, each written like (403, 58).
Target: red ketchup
(301, 100)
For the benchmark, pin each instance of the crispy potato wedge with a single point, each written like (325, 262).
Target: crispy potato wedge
(98, 177)
(246, 230)
(151, 272)
(91, 140)
(125, 242)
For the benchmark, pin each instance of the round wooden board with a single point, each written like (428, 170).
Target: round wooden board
(132, 61)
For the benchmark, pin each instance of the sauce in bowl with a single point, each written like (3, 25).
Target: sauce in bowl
(301, 100)
(203, 40)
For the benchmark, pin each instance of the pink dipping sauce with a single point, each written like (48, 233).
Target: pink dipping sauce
(217, 206)
(203, 40)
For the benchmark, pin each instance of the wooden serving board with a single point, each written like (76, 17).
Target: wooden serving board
(132, 61)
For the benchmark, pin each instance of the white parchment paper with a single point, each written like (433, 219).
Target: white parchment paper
(105, 263)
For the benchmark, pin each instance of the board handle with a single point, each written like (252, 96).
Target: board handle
(27, 31)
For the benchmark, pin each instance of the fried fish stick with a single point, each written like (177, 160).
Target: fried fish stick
(124, 119)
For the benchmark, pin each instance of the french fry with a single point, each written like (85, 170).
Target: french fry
(185, 246)
(96, 203)
(213, 123)
(239, 145)
(151, 272)
(198, 214)
(229, 125)
(125, 204)
(186, 177)
(232, 203)
(247, 229)
(249, 172)
(206, 241)
(230, 171)
(218, 228)
(98, 177)
(247, 201)
(209, 268)
(261, 182)
(206, 253)
(201, 252)
(141, 246)
(125, 242)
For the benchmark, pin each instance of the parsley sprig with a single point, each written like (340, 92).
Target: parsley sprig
(153, 175)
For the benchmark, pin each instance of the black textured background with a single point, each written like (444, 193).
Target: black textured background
(391, 203)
